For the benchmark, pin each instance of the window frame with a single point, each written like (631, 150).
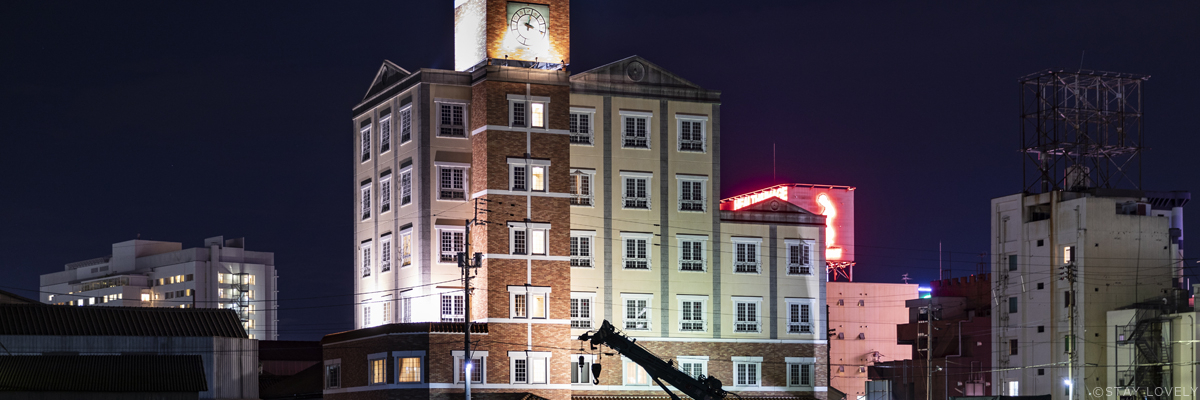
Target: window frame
(586, 369)
(626, 237)
(648, 319)
(626, 137)
(531, 359)
(405, 115)
(756, 245)
(758, 314)
(578, 138)
(679, 303)
(333, 374)
(385, 132)
(516, 292)
(701, 361)
(626, 176)
(440, 105)
(374, 363)
(364, 197)
(406, 186)
(385, 252)
(680, 181)
(577, 239)
(453, 230)
(400, 356)
(813, 322)
(739, 361)
(578, 301)
(385, 193)
(530, 230)
(528, 103)
(702, 120)
(625, 374)
(364, 253)
(480, 355)
(364, 134)
(803, 247)
(456, 304)
(682, 241)
(466, 180)
(526, 168)
(800, 363)
(404, 248)
(577, 177)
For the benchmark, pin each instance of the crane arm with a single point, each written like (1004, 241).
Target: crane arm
(708, 388)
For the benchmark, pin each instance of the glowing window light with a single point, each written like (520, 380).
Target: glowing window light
(780, 192)
(832, 252)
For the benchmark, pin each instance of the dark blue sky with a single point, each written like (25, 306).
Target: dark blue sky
(183, 121)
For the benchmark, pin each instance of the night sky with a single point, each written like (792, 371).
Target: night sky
(179, 121)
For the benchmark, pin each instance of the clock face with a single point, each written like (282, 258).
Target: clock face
(527, 25)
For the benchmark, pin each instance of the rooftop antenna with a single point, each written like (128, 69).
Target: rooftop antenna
(905, 278)
(773, 163)
(1081, 54)
(940, 260)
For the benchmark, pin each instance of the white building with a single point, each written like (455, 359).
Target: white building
(1124, 246)
(145, 273)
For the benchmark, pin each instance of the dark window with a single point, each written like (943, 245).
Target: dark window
(1041, 371)
(1041, 242)
(1041, 328)
(1041, 285)
(1012, 305)
(1012, 347)
(1012, 263)
(1067, 299)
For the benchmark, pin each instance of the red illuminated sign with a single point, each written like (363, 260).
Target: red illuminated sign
(832, 252)
(780, 192)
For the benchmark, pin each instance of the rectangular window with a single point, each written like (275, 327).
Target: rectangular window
(377, 372)
(1012, 262)
(520, 371)
(451, 183)
(691, 135)
(474, 367)
(385, 254)
(799, 373)
(406, 187)
(635, 375)
(409, 369)
(691, 314)
(537, 115)
(691, 195)
(519, 177)
(537, 242)
(1068, 254)
(799, 317)
(635, 194)
(451, 123)
(406, 248)
(519, 116)
(365, 134)
(385, 133)
(799, 257)
(366, 259)
(581, 250)
(1012, 305)
(452, 307)
(452, 244)
(385, 194)
(387, 310)
(367, 316)
(637, 313)
(405, 125)
(529, 366)
(746, 254)
(1012, 347)
(333, 376)
(693, 366)
(746, 373)
(581, 368)
(636, 254)
(537, 178)
(635, 132)
(581, 127)
(746, 317)
(519, 242)
(365, 196)
(581, 313)
(406, 310)
(528, 238)
(581, 188)
(691, 253)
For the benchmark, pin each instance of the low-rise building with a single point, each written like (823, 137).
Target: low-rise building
(863, 319)
(1152, 350)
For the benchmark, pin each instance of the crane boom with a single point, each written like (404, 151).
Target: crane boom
(708, 388)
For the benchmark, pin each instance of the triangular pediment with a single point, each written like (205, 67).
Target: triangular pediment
(775, 204)
(634, 70)
(389, 73)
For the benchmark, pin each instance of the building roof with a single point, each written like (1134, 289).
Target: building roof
(13, 298)
(635, 76)
(412, 327)
(52, 320)
(146, 373)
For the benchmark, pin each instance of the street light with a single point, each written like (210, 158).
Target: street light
(1070, 389)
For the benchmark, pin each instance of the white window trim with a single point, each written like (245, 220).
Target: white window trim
(813, 322)
(587, 372)
(528, 163)
(400, 259)
(437, 120)
(412, 192)
(453, 293)
(458, 357)
(625, 375)
(514, 290)
(649, 116)
(328, 363)
(391, 133)
(591, 196)
(758, 312)
(591, 236)
(679, 180)
(385, 252)
(591, 116)
(407, 109)
(703, 239)
(364, 258)
(804, 245)
(649, 177)
(439, 165)
(591, 298)
(385, 193)
(757, 242)
(399, 356)
(649, 238)
(439, 229)
(371, 359)
(703, 120)
(365, 154)
(528, 228)
(530, 357)
(365, 200)
(702, 360)
(811, 362)
(757, 361)
(529, 101)
(649, 298)
(703, 300)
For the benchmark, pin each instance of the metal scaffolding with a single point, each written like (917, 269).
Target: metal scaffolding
(1081, 130)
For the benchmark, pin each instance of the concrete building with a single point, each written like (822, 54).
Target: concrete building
(590, 196)
(864, 317)
(145, 273)
(1088, 250)
(1152, 350)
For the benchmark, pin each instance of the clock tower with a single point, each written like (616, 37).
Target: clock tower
(536, 32)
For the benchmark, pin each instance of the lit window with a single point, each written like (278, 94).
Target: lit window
(452, 120)
(409, 369)
(581, 125)
(145, 296)
(693, 366)
(691, 133)
(636, 255)
(747, 371)
(377, 371)
(1068, 254)
(581, 368)
(365, 135)
(385, 132)
(385, 194)
(452, 307)
(634, 374)
(691, 193)
(581, 187)
(528, 238)
(537, 115)
(691, 252)
(537, 177)
(333, 375)
(635, 131)
(451, 183)
(529, 366)
(581, 310)
(406, 124)
(799, 316)
(365, 191)
(746, 314)
(637, 311)
(799, 257)
(636, 194)
(366, 258)
(406, 248)
(581, 248)
(528, 301)
(692, 317)
(406, 187)
(477, 366)
(746, 254)
(451, 244)
(527, 174)
(800, 371)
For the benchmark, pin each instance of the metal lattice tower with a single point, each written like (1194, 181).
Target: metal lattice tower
(1081, 130)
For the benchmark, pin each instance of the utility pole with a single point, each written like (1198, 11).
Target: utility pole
(466, 264)
(1070, 275)
(929, 349)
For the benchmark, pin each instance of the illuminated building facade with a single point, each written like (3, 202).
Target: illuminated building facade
(864, 317)
(146, 273)
(835, 202)
(591, 197)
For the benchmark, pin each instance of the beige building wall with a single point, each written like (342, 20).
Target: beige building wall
(865, 316)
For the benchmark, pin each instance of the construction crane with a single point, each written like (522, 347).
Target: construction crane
(708, 388)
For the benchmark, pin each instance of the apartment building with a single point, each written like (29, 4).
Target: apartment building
(147, 273)
(863, 317)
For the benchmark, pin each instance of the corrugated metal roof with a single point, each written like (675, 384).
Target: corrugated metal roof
(50, 320)
(103, 373)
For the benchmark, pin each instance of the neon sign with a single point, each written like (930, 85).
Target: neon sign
(830, 212)
(780, 192)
